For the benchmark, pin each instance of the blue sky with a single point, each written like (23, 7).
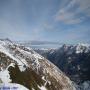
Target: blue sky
(65, 21)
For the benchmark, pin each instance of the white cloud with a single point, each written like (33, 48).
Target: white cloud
(75, 12)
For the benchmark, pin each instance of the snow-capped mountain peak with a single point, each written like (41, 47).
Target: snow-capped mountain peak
(80, 48)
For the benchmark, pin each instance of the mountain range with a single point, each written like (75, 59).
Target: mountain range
(73, 60)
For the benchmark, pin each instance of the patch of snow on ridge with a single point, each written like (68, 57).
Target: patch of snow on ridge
(12, 86)
(46, 81)
(84, 44)
(42, 88)
(37, 56)
(4, 74)
(82, 47)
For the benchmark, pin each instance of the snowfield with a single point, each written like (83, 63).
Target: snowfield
(12, 86)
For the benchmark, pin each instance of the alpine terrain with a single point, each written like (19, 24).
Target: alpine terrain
(21, 68)
(73, 60)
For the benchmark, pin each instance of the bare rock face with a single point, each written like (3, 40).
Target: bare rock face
(24, 66)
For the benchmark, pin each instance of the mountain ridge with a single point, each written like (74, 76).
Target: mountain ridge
(25, 61)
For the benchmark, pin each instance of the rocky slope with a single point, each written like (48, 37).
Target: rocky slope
(74, 60)
(23, 66)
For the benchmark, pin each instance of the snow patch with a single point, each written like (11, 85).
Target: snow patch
(42, 88)
(4, 74)
(12, 86)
